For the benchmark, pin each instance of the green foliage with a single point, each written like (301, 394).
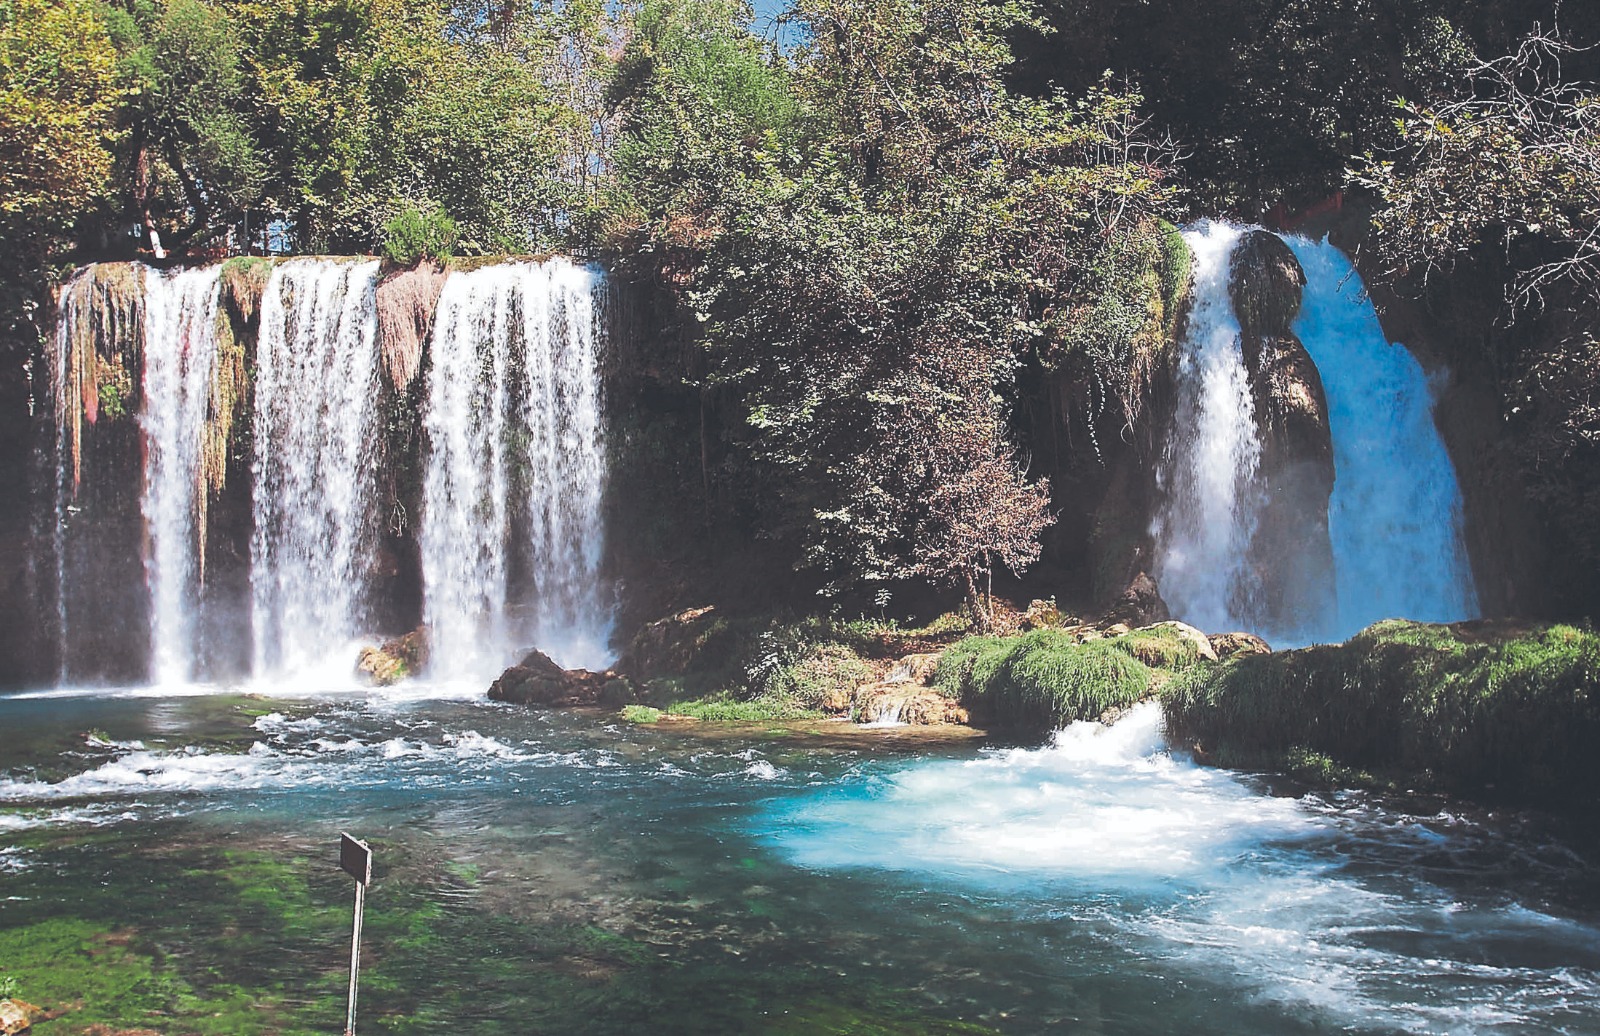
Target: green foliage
(416, 233)
(1499, 712)
(1042, 680)
(56, 93)
(864, 243)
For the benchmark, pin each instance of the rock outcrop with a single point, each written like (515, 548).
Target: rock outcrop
(1140, 604)
(1291, 410)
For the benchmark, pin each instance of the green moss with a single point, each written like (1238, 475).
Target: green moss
(1482, 709)
(1041, 680)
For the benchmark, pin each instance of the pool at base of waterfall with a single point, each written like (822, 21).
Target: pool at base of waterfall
(170, 863)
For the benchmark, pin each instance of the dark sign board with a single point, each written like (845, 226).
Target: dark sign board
(355, 859)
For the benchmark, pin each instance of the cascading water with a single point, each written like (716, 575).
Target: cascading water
(1395, 514)
(180, 352)
(1207, 475)
(1395, 517)
(316, 441)
(515, 469)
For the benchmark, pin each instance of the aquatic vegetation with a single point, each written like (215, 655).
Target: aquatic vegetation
(1483, 708)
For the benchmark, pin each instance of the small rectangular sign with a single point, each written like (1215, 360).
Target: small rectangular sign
(355, 858)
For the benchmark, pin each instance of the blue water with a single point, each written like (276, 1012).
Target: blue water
(1098, 882)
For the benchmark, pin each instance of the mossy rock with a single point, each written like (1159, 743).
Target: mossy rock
(1496, 710)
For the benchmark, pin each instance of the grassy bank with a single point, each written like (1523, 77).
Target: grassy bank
(1043, 680)
(1482, 709)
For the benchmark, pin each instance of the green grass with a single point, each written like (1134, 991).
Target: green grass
(1041, 680)
(1490, 711)
(727, 709)
(643, 715)
(1159, 647)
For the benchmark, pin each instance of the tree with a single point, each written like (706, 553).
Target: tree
(56, 94)
(868, 236)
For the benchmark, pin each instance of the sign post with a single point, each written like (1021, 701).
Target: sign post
(355, 859)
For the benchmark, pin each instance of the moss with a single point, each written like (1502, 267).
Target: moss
(244, 282)
(99, 347)
(1477, 708)
(1042, 680)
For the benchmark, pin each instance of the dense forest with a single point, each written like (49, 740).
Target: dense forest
(908, 267)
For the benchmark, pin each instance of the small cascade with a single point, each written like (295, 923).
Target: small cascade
(316, 441)
(1207, 475)
(180, 352)
(1396, 513)
(511, 530)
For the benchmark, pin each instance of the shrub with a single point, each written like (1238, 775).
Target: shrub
(1476, 708)
(417, 233)
(1042, 680)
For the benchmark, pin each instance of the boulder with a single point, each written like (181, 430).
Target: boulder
(538, 680)
(1238, 645)
(1265, 282)
(394, 660)
(1140, 604)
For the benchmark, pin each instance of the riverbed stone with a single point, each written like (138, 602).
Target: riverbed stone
(909, 703)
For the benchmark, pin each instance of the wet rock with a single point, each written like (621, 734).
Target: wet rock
(538, 680)
(394, 660)
(1238, 645)
(1139, 605)
(1266, 283)
(909, 703)
(1291, 409)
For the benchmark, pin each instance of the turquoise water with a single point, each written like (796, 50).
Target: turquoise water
(563, 872)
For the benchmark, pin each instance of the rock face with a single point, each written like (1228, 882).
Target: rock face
(538, 680)
(695, 638)
(1139, 605)
(1291, 412)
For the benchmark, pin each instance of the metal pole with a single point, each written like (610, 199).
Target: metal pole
(355, 960)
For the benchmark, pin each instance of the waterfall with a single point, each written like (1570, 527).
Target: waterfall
(316, 441)
(180, 353)
(1396, 513)
(511, 529)
(1207, 474)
